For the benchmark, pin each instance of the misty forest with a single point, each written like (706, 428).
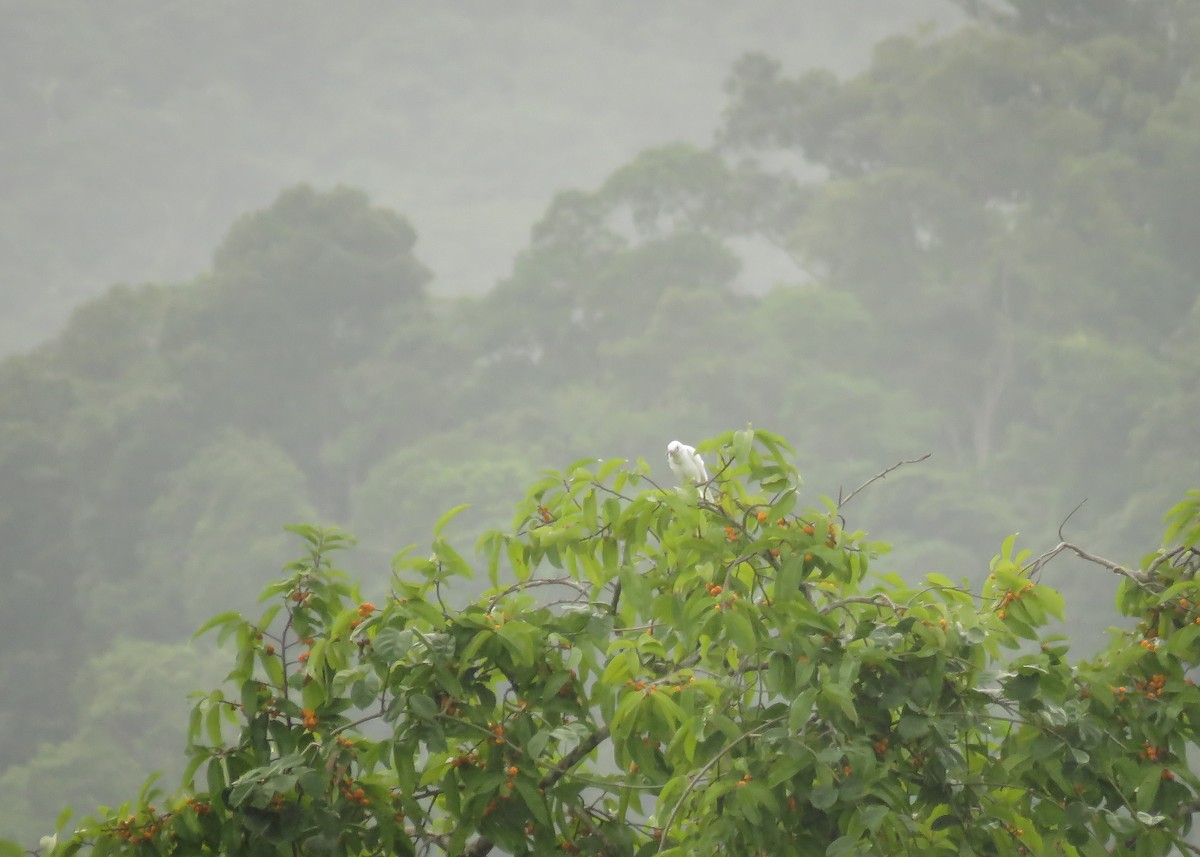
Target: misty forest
(454, 277)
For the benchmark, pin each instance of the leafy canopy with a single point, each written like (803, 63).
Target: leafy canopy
(650, 673)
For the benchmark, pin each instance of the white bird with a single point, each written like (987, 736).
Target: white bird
(688, 466)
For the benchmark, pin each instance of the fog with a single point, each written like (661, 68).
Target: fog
(278, 262)
(133, 136)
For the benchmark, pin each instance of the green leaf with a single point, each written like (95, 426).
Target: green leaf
(451, 559)
(212, 719)
(215, 774)
(742, 441)
(912, 725)
(801, 709)
(1147, 789)
(840, 697)
(447, 517)
(785, 767)
(423, 706)
(1050, 600)
(823, 797)
(220, 620)
(519, 637)
(626, 711)
(739, 628)
(842, 846)
(534, 800)
(392, 644)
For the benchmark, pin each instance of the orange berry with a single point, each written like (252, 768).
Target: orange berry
(366, 609)
(513, 771)
(303, 657)
(808, 529)
(762, 516)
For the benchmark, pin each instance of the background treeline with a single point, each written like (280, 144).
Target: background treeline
(130, 135)
(982, 246)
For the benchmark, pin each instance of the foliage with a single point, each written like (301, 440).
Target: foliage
(651, 673)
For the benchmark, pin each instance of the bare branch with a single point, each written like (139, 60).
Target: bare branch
(842, 501)
(1141, 578)
(1061, 537)
(574, 757)
(1164, 557)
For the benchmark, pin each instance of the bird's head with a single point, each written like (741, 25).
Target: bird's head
(674, 449)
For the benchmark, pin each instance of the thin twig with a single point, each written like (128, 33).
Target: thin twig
(878, 599)
(1061, 537)
(700, 774)
(842, 501)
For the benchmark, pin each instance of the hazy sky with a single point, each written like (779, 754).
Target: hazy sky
(138, 134)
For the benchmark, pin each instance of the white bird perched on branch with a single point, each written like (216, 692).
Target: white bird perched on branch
(688, 467)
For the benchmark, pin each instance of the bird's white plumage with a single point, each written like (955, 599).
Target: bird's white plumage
(687, 465)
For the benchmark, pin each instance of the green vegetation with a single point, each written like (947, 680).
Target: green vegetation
(986, 250)
(651, 673)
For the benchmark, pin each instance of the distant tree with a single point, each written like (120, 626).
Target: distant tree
(655, 674)
(129, 704)
(202, 544)
(299, 293)
(1012, 182)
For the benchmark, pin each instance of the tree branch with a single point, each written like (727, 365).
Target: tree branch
(482, 846)
(1140, 578)
(878, 600)
(842, 501)
(574, 757)
(700, 774)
